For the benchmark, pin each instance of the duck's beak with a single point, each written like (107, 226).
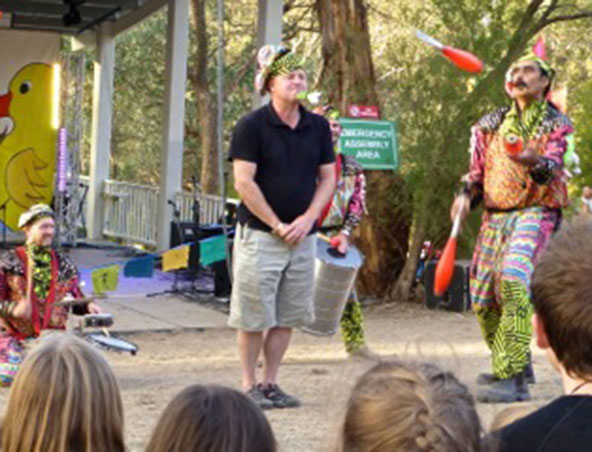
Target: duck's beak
(6, 123)
(5, 105)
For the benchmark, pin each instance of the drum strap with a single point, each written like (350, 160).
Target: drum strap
(327, 208)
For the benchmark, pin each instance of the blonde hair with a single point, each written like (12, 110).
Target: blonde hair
(212, 418)
(510, 415)
(410, 407)
(64, 398)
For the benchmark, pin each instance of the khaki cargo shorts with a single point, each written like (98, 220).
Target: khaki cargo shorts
(273, 282)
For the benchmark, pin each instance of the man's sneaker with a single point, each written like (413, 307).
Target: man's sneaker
(257, 396)
(279, 398)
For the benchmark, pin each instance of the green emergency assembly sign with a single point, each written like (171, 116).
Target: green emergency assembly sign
(372, 143)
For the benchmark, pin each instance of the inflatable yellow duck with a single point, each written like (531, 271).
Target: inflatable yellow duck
(27, 142)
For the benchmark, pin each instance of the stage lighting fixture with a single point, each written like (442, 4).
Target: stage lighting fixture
(72, 17)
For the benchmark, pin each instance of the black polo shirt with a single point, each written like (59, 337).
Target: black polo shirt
(287, 160)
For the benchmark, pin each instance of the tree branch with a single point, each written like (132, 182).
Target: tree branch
(552, 7)
(234, 82)
(564, 18)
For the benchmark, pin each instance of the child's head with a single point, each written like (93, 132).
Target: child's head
(511, 414)
(64, 398)
(408, 407)
(207, 418)
(562, 294)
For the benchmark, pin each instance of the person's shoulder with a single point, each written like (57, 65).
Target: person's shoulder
(253, 118)
(491, 121)
(555, 119)
(351, 165)
(65, 262)
(316, 119)
(518, 436)
(9, 261)
(539, 423)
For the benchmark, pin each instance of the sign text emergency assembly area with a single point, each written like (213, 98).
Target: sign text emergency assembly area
(372, 143)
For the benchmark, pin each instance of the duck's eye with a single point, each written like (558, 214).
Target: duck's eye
(25, 87)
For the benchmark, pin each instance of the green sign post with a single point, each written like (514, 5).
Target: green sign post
(372, 143)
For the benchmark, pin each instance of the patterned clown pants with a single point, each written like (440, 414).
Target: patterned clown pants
(508, 246)
(352, 324)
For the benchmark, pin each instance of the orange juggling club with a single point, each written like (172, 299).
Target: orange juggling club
(460, 58)
(333, 242)
(445, 267)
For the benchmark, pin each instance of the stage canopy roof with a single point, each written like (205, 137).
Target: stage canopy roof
(64, 16)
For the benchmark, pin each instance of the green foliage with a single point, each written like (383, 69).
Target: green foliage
(139, 92)
(138, 102)
(432, 101)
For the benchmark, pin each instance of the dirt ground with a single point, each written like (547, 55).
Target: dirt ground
(316, 369)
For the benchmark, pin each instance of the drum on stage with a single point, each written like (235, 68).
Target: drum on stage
(335, 275)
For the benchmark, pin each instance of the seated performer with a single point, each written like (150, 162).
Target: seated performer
(338, 219)
(32, 278)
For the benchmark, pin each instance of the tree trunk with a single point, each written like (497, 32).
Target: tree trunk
(348, 78)
(401, 290)
(206, 104)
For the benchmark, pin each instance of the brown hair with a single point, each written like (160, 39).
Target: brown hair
(64, 398)
(212, 418)
(409, 407)
(562, 295)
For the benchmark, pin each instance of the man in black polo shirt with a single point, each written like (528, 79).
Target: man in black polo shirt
(284, 173)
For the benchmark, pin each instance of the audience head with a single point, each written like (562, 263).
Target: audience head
(212, 418)
(64, 398)
(562, 298)
(409, 407)
(511, 414)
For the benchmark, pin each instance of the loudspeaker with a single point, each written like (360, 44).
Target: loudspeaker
(457, 297)
(187, 228)
(222, 284)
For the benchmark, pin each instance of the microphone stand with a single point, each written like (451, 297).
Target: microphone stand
(177, 222)
(196, 209)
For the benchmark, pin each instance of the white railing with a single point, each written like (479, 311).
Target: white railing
(210, 207)
(130, 210)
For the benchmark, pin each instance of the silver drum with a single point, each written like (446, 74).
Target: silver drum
(334, 280)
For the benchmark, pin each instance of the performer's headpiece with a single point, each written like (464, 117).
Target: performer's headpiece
(536, 54)
(272, 61)
(328, 111)
(35, 213)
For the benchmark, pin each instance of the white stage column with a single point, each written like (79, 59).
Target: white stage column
(269, 30)
(104, 67)
(171, 160)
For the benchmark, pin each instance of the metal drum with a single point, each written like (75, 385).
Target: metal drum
(334, 279)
